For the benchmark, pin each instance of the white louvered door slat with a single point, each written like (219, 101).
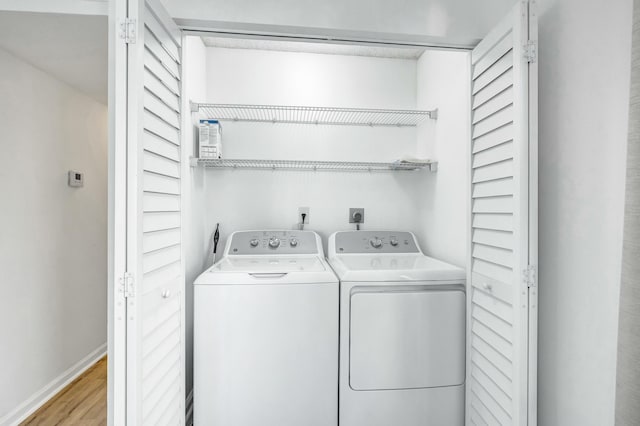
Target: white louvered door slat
(497, 137)
(155, 313)
(500, 343)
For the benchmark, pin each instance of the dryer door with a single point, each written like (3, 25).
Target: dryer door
(407, 339)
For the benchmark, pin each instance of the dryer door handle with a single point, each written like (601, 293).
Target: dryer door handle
(266, 275)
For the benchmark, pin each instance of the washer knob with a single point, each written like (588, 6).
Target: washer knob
(393, 242)
(375, 242)
(293, 242)
(274, 242)
(254, 242)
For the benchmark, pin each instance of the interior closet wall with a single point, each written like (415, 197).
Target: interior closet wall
(585, 53)
(53, 240)
(443, 83)
(246, 199)
(196, 235)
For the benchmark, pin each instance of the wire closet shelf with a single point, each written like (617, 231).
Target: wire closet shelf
(347, 166)
(313, 115)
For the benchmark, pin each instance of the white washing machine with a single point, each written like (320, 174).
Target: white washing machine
(266, 334)
(402, 332)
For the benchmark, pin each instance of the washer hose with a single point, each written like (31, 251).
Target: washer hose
(216, 238)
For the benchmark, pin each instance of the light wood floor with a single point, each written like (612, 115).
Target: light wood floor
(82, 402)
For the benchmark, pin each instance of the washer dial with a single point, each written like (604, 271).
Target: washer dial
(274, 242)
(375, 242)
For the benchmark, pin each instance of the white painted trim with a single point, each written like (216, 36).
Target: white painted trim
(189, 413)
(38, 399)
(469, 206)
(134, 181)
(521, 200)
(246, 30)
(185, 213)
(117, 304)
(532, 397)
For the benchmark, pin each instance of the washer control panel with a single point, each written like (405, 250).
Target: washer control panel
(274, 242)
(375, 242)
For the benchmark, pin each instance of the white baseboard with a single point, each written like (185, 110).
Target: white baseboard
(189, 406)
(39, 398)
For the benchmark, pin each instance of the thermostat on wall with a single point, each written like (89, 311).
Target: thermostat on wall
(76, 179)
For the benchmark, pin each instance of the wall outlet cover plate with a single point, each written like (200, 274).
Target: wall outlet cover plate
(306, 211)
(76, 179)
(354, 213)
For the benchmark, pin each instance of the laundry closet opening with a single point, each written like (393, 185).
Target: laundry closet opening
(248, 82)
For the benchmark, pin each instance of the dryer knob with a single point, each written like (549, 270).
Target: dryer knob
(376, 242)
(274, 243)
(254, 242)
(393, 242)
(293, 242)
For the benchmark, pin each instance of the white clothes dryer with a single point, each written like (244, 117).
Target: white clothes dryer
(402, 332)
(266, 334)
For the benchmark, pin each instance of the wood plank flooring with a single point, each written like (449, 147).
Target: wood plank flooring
(82, 402)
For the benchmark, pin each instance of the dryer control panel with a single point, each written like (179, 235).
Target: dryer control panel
(375, 242)
(274, 242)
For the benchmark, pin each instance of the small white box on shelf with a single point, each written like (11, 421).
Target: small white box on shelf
(210, 139)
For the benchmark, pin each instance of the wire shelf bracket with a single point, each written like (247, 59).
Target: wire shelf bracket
(313, 115)
(336, 166)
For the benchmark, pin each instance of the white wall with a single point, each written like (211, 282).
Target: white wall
(584, 94)
(270, 199)
(53, 240)
(73, 51)
(443, 83)
(196, 234)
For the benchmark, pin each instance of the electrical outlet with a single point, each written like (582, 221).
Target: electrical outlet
(305, 211)
(76, 179)
(356, 215)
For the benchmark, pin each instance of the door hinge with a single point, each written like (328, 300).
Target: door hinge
(529, 276)
(531, 51)
(128, 30)
(126, 285)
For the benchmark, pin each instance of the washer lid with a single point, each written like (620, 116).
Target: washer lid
(269, 264)
(265, 270)
(380, 267)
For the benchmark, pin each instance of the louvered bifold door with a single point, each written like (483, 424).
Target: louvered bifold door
(155, 312)
(498, 309)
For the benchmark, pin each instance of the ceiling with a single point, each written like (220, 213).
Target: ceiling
(71, 48)
(333, 49)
